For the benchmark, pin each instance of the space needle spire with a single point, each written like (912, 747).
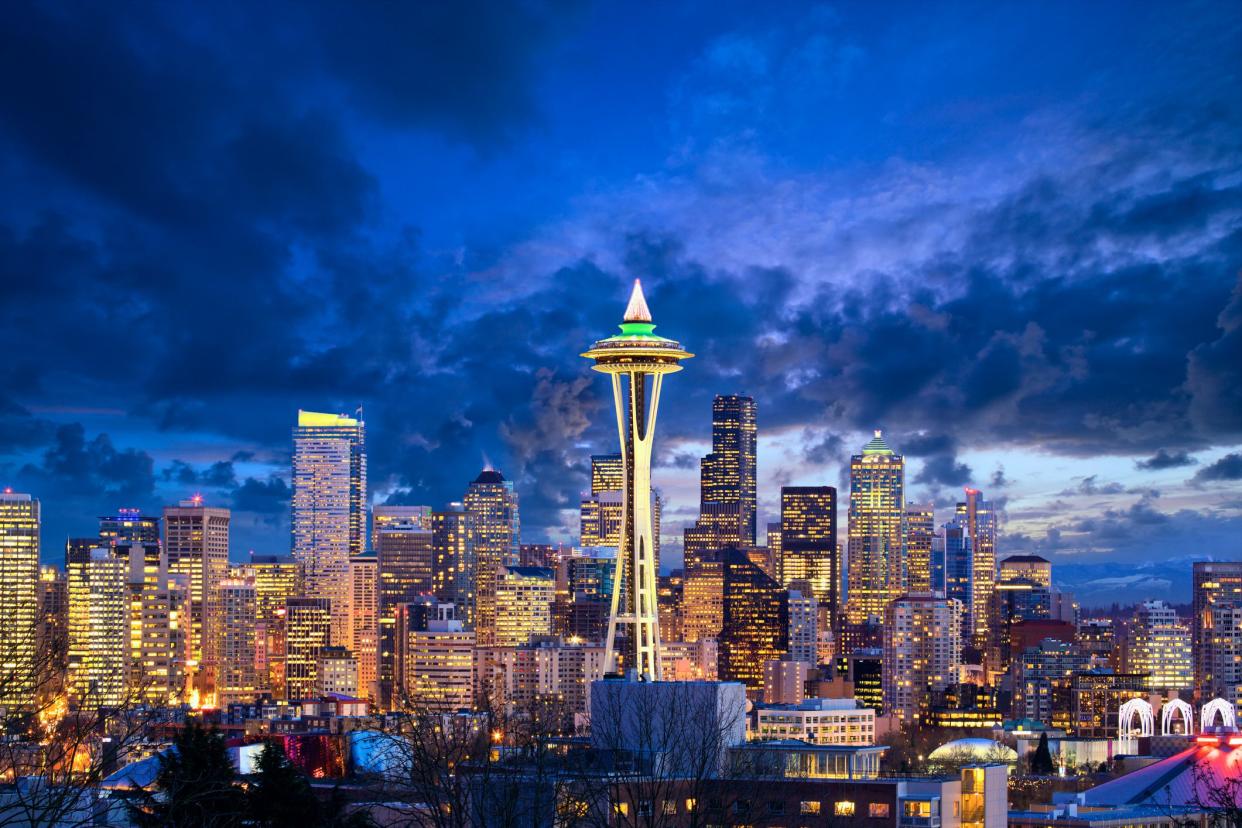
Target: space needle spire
(637, 360)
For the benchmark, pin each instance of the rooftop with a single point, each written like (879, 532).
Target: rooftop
(313, 419)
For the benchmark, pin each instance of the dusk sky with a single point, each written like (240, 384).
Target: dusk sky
(1009, 234)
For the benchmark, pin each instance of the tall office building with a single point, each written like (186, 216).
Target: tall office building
(196, 543)
(308, 624)
(922, 651)
(876, 550)
(602, 515)
(453, 564)
(159, 610)
(755, 621)
(19, 580)
(920, 528)
(493, 506)
(1213, 583)
(99, 640)
(386, 515)
(364, 598)
(808, 544)
(277, 578)
(702, 601)
(129, 525)
(329, 507)
(238, 680)
(1222, 651)
(1158, 644)
(958, 552)
(727, 479)
(51, 634)
(979, 518)
(1032, 568)
(404, 560)
(524, 596)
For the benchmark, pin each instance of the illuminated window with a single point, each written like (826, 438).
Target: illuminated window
(689, 804)
(877, 809)
(670, 807)
(810, 807)
(843, 808)
(622, 808)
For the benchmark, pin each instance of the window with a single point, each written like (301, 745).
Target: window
(622, 808)
(670, 807)
(689, 804)
(877, 809)
(809, 807)
(741, 807)
(843, 808)
(645, 809)
(776, 807)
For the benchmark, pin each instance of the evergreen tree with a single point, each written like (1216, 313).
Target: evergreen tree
(1041, 759)
(195, 786)
(280, 795)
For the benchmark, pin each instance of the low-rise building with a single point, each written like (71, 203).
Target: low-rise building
(818, 721)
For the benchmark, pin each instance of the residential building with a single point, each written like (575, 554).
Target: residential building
(922, 651)
(1212, 583)
(524, 597)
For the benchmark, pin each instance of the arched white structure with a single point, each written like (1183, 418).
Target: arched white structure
(1147, 719)
(1166, 717)
(1207, 714)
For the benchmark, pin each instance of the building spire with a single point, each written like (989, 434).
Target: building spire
(636, 310)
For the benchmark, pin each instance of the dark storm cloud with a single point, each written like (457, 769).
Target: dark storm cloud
(80, 467)
(1165, 460)
(1228, 467)
(263, 497)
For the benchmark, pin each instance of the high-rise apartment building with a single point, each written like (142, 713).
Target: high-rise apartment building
(803, 628)
(876, 549)
(978, 516)
(51, 634)
(1158, 645)
(512, 679)
(920, 528)
(453, 564)
(755, 621)
(337, 673)
(524, 597)
(364, 598)
(808, 544)
(493, 505)
(1212, 583)
(437, 663)
(329, 513)
(958, 553)
(1221, 651)
(308, 625)
(99, 640)
(922, 651)
(196, 543)
(19, 589)
(239, 680)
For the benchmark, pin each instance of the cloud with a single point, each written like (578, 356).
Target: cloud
(1226, 468)
(1091, 485)
(1165, 460)
(264, 497)
(92, 468)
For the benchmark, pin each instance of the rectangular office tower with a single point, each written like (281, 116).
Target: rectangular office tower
(876, 547)
(978, 518)
(808, 544)
(492, 505)
(19, 578)
(1216, 589)
(329, 507)
(196, 542)
(727, 478)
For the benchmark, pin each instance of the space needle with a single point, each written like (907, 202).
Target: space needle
(637, 360)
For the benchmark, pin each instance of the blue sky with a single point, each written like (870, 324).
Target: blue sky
(1008, 234)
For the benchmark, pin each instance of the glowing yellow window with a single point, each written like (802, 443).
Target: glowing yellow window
(843, 808)
(809, 807)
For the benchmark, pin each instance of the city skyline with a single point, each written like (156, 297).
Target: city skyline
(1020, 270)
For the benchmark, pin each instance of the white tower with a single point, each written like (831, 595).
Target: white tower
(637, 359)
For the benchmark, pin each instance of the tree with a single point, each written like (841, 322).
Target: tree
(279, 795)
(195, 787)
(1041, 759)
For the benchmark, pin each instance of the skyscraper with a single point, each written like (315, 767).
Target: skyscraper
(920, 528)
(602, 514)
(524, 597)
(493, 507)
(196, 542)
(755, 621)
(129, 525)
(238, 678)
(808, 544)
(385, 515)
(958, 553)
(453, 564)
(52, 633)
(329, 507)
(979, 518)
(1213, 583)
(876, 549)
(19, 579)
(308, 623)
(99, 642)
(637, 360)
(364, 599)
(727, 478)
(404, 564)
(922, 650)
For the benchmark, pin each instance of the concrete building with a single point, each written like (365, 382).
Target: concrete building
(524, 597)
(196, 543)
(922, 651)
(818, 721)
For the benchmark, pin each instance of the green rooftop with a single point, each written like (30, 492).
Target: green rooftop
(877, 445)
